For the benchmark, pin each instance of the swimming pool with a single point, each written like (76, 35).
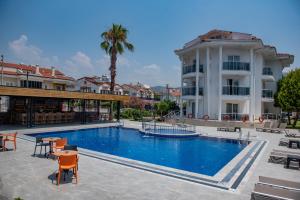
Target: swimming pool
(200, 155)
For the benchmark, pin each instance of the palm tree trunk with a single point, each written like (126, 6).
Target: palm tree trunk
(113, 61)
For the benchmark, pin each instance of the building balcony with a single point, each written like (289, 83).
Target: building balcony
(191, 69)
(191, 91)
(267, 74)
(267, 71)
(234, 90)
(236, 66)
(267, 93)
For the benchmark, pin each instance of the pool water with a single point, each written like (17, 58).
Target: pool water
(201, 155)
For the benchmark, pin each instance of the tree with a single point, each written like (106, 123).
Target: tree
(288, 96)
(135, 102)
(161, 108)
(114, 43)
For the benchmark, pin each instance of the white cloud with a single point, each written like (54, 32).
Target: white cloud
(152, 67)
(80, 64)
(29, 53)
(80, 59)
(121, 61)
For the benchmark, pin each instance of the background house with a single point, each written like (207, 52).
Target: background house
(97, 84)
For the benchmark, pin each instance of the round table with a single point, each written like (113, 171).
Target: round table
(65, 153)
(50, 140)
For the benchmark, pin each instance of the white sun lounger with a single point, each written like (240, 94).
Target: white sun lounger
(279, 183)
(263, 192)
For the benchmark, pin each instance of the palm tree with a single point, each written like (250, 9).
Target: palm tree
(114, 43)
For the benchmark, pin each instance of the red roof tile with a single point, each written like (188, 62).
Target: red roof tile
(44, 72)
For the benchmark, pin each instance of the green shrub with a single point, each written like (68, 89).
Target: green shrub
(135, 114)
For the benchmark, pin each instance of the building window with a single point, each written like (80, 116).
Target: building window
(233, 58)
(31, 84)
(231, 108)
(85, 89)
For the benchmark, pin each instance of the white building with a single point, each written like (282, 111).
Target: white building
(230, 75)
(97, 85)
(138, 90)
(20, 75)
(17, 75)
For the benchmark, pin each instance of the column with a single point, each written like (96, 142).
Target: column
(118, 110)
(181, 103)
(220, 82)
(207, 79)
(197, 85)
(252, 88)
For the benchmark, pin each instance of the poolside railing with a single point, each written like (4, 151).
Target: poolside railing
(152, 127)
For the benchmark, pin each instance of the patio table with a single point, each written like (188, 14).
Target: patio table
(51, 140)
(65, 153)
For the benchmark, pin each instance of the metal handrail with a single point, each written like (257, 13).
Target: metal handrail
(241, 66)
(158, 128)
(235, 90)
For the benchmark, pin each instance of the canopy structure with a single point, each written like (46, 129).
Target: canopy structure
(32, 92)
(30, 106)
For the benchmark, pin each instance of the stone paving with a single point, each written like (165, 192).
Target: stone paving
(28, 177)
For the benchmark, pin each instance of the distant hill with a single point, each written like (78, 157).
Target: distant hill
(161, 89)
(158, 89)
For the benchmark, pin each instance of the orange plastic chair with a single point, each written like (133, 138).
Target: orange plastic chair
(59, 144)
(10, 138)
(67, 162)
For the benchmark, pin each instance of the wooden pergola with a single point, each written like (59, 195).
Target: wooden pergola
(30, 95)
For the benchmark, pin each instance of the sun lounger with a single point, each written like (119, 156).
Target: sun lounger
(283, 142)
(292, 134)
(273, 127)
(286, 152)
(279, 183)
(286, 142)
(229, 129)
(265, 127)
(280, 129)
(278, 157)
(222, 129)
(269, 192)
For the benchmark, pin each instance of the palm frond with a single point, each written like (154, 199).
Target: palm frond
(105, 45)
(128, 45)
(119, 47)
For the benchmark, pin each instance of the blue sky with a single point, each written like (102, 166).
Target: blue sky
(66, 33)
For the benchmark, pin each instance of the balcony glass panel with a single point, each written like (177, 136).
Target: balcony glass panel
(267, 93)
(243, 66)
(267, 71)
(233, 90)
(191, 91)
(191, 68)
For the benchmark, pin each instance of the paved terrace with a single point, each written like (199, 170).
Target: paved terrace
(22, 175)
